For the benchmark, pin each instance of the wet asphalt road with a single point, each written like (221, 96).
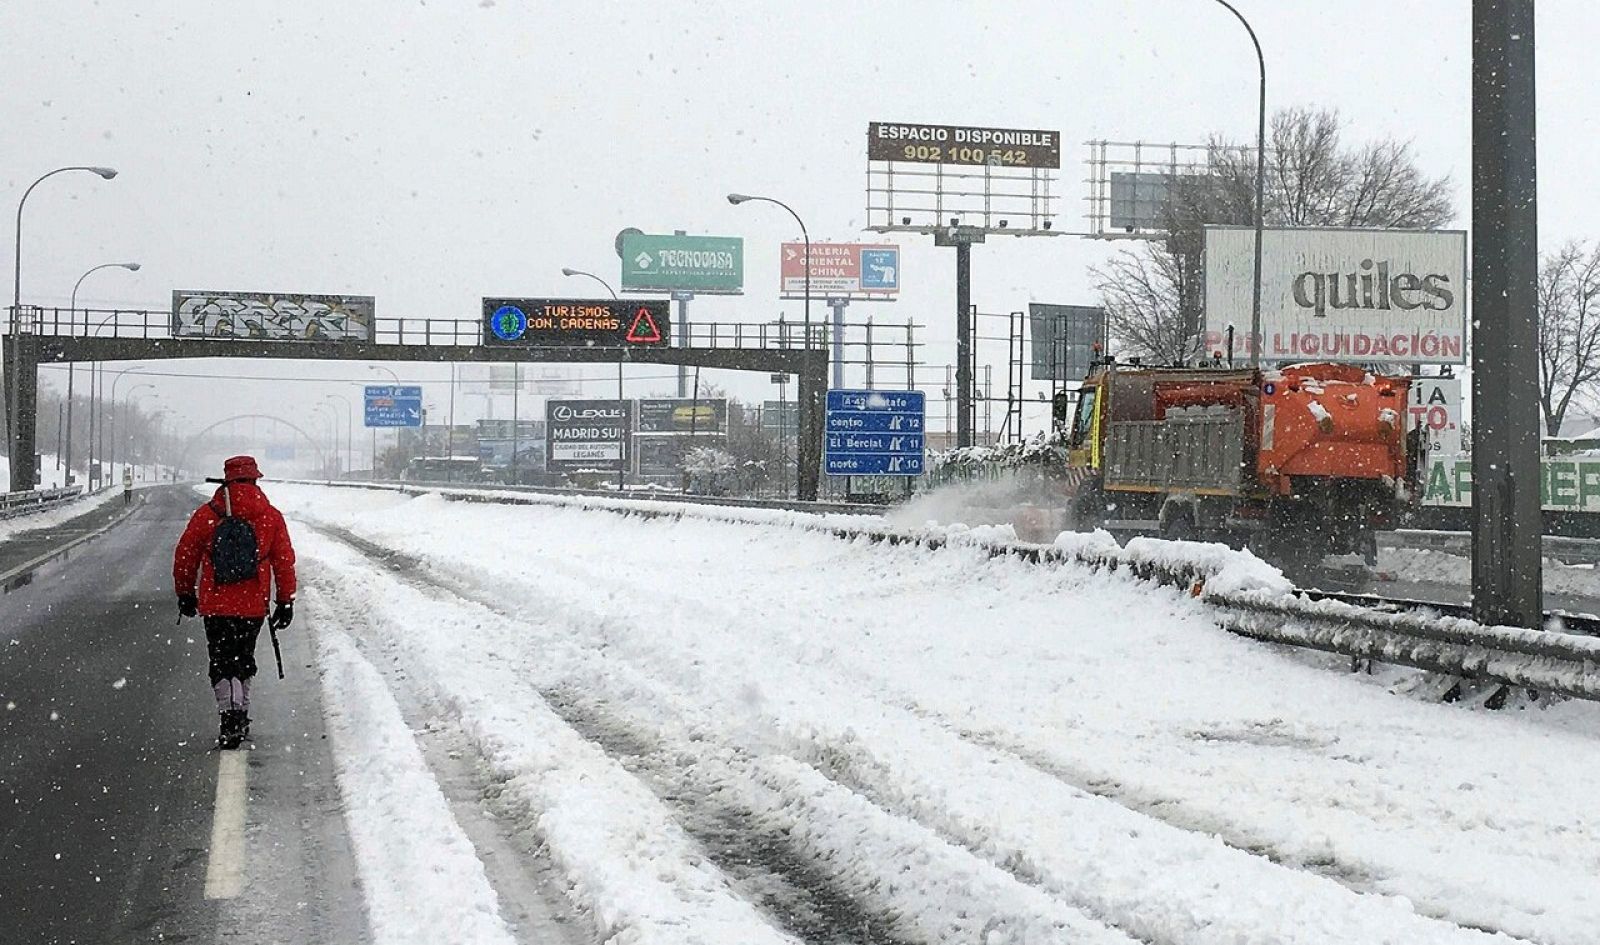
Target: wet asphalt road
(107, 780)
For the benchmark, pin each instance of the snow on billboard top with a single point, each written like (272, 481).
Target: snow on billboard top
(271, 316)
(1334, 294)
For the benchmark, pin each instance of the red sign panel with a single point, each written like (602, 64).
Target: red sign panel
(841, 270)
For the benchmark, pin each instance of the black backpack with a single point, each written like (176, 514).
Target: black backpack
(234, 555)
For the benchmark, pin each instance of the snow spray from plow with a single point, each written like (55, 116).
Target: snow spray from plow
(1247, 596)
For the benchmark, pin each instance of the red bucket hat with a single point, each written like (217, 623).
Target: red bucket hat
(240, 467)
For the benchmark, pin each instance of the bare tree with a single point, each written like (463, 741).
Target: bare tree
(1140, 290)
(1569, 329)
(1152, 294)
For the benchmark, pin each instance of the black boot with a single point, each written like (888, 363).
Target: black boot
(230, 729)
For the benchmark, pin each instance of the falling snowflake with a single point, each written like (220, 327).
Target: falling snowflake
(120, 683)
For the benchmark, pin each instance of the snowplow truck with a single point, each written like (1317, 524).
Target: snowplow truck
(1298, 463)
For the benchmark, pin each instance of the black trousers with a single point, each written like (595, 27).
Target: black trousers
(231, 645)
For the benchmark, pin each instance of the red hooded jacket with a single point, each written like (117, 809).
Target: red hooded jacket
(274, 553)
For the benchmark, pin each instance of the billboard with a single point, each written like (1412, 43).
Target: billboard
(1566, 483)
(704, 265)
(586, 434)
(780, 417)
(1062, 339)
(271, 316)
(1347, 295)
(683, 415)
(840, 270)
(568, 323)
(1435, 409)
(962, 144)
(495, 443)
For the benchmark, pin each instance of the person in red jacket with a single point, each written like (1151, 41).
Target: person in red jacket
(234, 609)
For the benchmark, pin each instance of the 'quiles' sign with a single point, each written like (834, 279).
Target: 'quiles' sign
(1338, 294)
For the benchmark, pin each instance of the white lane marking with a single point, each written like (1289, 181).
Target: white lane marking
(225, 868)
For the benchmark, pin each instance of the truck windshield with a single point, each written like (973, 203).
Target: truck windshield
(1083, 418)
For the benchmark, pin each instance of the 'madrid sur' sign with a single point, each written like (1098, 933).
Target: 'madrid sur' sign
(1364, 295)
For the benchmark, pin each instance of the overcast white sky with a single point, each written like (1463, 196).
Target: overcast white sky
(430, 153)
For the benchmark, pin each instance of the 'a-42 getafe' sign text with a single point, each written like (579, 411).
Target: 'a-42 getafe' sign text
(874, 433)
(561, 323)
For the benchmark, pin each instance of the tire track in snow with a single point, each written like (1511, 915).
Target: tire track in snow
(769, 854)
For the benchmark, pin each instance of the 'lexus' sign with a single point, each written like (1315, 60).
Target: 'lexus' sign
(587, 435)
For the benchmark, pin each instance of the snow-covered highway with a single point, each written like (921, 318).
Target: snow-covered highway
(720, 732)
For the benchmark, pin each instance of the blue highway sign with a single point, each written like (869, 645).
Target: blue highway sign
(389, 405)
(875, 433)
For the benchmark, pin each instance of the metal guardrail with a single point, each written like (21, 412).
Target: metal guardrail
(1378, 629)
(13, 504)
(1563, 549)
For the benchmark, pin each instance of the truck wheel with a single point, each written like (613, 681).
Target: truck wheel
(1180, 527)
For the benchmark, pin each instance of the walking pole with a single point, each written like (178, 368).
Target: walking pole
(276, 653)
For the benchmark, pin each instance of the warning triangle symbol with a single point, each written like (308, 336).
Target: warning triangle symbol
(644, 330)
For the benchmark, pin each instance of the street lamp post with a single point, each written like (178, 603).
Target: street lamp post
(333, 436)
(811, 411)
(396, 379)
(349, 429)
(622, 459)
(1261, 176)
(97, 393)
(72, 366)
(21, 466)
(127, 400)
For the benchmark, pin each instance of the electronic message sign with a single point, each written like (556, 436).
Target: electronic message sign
(568, 323)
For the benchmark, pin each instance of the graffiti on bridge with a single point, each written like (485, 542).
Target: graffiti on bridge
(272, 316)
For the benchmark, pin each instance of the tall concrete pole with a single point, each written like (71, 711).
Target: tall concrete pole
(1506, 526)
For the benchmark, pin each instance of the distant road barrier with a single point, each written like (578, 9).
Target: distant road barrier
(13, 504)
(639, 495)
(1561, 548)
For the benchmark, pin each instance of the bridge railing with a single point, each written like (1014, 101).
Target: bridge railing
(780, 333)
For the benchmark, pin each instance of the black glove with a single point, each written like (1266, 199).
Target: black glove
(282, 615)
(188, 605)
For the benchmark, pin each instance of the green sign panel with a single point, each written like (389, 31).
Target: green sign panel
(707, 265)
(1566, 483)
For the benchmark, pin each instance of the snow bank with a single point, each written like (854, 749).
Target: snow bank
(422, 879)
